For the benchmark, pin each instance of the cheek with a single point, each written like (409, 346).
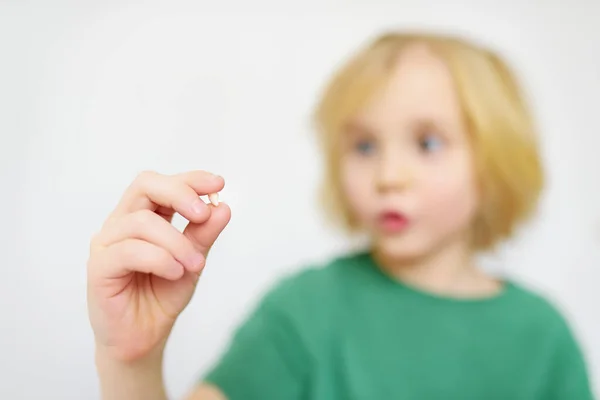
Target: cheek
(451, 199)
(357, 184)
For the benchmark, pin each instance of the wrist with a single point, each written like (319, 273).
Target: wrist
(112, 355)
(130, 379)
(105, 358)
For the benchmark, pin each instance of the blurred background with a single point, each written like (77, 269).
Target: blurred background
(92, 92)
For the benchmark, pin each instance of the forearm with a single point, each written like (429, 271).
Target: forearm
(141, 380)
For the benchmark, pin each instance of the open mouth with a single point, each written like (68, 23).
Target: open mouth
(393, 221)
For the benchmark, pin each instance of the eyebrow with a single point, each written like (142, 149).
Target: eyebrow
(354, 127)
(358, 128)
(427, 122)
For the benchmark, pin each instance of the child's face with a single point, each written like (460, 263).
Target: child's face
(407, 166)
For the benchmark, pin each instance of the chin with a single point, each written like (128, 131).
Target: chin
(402, 248)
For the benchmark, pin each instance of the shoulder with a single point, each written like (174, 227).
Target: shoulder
(550, 328)
(540, 312)
(532, 304)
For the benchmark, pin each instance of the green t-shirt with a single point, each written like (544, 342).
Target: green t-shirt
(347, 331)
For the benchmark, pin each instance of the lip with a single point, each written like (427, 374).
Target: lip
(391, 221)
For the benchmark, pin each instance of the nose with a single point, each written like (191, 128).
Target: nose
(394, 173)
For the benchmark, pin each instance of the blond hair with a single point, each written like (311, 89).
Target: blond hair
(506, 154)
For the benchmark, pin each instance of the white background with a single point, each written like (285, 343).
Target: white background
(91, 93)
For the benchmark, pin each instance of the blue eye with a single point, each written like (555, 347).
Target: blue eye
(365, 147)
(430, 143)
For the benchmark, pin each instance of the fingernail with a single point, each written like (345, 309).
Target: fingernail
(198, 206)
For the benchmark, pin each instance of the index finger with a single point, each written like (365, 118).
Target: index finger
(179, 193)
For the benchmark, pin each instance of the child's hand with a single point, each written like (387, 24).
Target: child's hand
(142, 271)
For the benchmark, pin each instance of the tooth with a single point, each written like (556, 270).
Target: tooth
(214, 199)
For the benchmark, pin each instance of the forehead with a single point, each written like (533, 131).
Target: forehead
(420, 86)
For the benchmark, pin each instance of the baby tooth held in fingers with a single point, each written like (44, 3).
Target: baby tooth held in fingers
(214, 199)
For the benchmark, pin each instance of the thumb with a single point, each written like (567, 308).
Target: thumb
(203, 235)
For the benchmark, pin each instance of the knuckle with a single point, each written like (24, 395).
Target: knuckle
(147, 173)
(142, 218)
(145, 176)
(97, 257)
(95, 241)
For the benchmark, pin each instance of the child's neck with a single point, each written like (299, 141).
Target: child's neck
(450, 271)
